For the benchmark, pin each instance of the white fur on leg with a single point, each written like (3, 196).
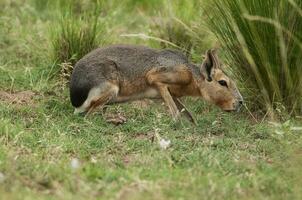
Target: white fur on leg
(94, 94)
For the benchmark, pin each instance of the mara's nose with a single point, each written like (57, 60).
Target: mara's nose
(240, 102)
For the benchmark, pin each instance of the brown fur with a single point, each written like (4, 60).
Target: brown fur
(120, 79)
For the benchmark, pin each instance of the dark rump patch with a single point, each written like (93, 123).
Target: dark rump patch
(78, 95)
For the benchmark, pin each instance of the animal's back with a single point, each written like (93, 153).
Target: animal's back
(134, 60)
(127, 62)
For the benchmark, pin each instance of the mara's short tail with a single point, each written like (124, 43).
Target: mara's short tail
(78, 95)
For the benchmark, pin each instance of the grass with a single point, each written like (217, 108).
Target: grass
(214, 159)
(77, 34)
(184, 28)
(46, 152)
(264, 42)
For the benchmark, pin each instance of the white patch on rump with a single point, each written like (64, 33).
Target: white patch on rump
(94, 94)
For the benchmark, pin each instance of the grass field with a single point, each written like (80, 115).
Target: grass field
(46, 152)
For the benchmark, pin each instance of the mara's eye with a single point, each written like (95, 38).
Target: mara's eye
(223, 83)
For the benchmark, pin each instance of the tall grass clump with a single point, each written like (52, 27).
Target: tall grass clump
(263, 40)
(77, 34)
(180, 23)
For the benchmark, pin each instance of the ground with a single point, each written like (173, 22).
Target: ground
(48, 152)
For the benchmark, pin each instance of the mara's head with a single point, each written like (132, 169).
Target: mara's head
(216, 86)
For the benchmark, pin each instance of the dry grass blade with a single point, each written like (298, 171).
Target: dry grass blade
(148, 37)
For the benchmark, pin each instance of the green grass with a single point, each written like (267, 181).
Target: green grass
(216, 159)
(78, 34)
(227, 155)
(263, 40)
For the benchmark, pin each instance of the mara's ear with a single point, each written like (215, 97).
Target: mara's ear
(209, 64)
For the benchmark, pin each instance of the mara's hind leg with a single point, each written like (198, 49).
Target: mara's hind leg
(98, 96)
(103, 98)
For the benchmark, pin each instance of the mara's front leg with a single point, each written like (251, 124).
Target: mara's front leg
(181, 107)
(168, 99)
(162, 77)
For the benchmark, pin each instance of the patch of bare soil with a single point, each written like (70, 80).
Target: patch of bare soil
(20, 98)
